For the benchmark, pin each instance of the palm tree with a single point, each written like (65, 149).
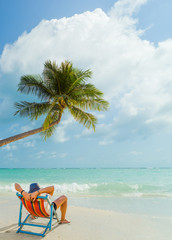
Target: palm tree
(59, 88)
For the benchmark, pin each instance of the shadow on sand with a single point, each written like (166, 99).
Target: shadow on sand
(9, 233)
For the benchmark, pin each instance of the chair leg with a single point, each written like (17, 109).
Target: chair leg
(43, 234)
(51, 217)
(20, 214)
(22, 224)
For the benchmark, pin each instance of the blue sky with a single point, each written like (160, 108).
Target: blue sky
(128, 46)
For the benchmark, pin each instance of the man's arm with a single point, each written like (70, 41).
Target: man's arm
(20, 189)
(49, 190)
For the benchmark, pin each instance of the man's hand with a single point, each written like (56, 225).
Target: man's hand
(26, 196)
(34, 196)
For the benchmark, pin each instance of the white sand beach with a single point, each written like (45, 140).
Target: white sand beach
(89, 224)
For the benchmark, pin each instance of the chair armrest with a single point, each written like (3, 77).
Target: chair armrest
(39, 197)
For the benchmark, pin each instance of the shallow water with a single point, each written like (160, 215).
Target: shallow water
(146, 191)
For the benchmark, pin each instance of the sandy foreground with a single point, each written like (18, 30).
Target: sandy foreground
(89, 224)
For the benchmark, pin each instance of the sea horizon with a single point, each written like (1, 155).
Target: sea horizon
(89, 168)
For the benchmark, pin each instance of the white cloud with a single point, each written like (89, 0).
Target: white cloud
(60, 133)
(5, 105)
(10, 147)
(105, 142)
(105, 133)
(99, 115)
(40, 154)
(52, 155)
(10, 158)
(126, 7)
(29, 144)
(62, 155)
(135, 153)
(27, 127)
(134, 74)
(13, 127)
(49, 155)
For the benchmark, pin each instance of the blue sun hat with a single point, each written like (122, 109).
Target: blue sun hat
(34, 187)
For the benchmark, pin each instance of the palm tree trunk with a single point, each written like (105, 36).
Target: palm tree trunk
(26, 134)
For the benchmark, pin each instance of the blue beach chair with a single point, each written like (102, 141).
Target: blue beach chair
(36, 209)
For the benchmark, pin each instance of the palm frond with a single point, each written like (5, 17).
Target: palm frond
(48, 132)
(98, 104)
(32, 110)
(79, 77)
(88, 120)
(66, 66)
(51, 75)
(35, 85)
(52, 115)
(86, 90)
(67, 76)
(55, 119)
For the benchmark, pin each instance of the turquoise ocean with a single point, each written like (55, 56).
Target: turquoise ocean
(142, 191)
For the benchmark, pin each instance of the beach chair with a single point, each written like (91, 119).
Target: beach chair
(36, 209)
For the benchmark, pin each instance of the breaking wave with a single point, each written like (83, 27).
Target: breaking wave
(117, 189)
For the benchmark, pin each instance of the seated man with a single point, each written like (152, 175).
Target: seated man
(35, 190)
